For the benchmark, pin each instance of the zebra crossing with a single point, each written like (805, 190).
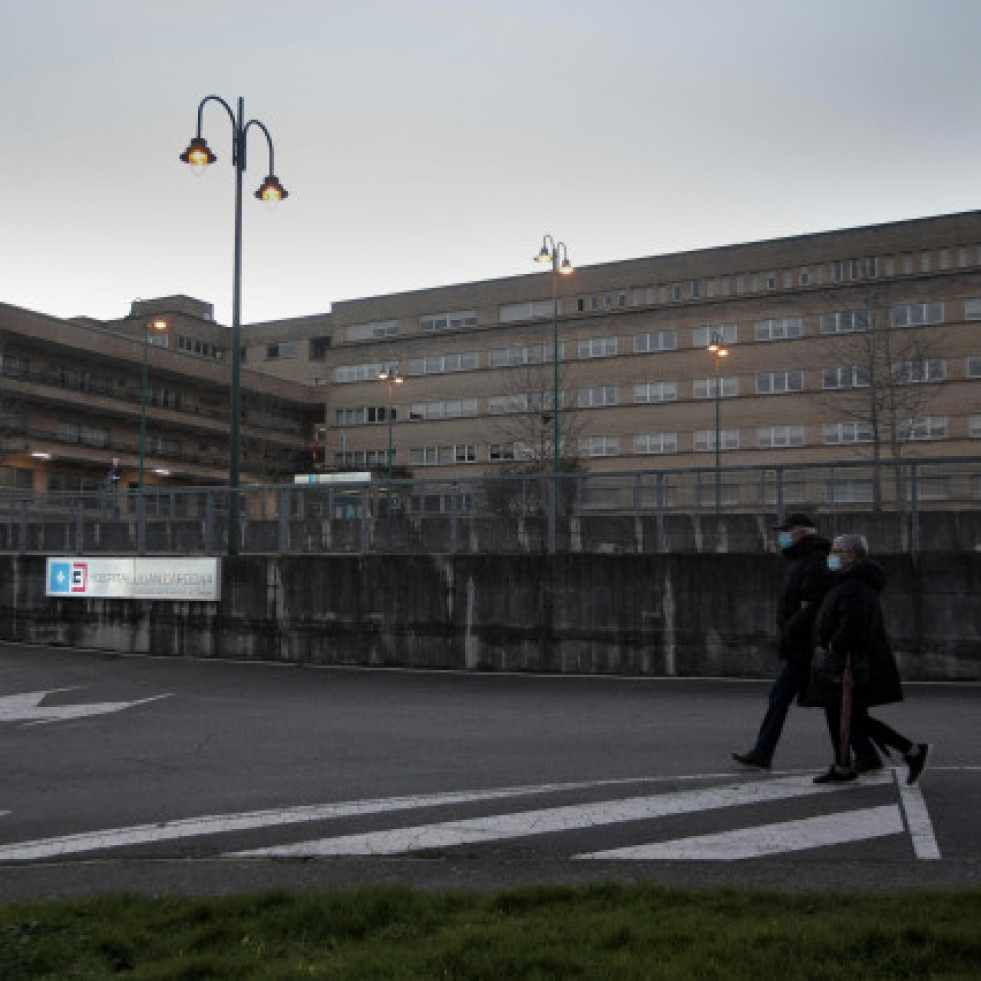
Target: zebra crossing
(881, 806)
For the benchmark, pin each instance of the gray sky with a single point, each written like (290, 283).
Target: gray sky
(426, 142)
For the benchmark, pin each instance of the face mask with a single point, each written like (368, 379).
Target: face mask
(834, 563)
(785, 539)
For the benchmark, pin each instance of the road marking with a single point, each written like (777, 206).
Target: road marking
(546, 821)
(27, 708)
(917, 819)
(768, 839)
(249, 821)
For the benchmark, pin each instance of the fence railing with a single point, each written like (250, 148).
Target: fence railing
(906, 506)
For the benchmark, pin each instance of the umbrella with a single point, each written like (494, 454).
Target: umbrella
(844, 751)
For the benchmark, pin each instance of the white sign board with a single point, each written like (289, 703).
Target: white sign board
(134, 578)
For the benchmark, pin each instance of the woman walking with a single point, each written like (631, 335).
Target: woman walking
(851, 639)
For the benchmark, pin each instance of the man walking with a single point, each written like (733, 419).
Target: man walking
(805, 582)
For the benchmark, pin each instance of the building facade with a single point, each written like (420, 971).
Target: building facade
(82, 402)
(858, 344)
(849, 345)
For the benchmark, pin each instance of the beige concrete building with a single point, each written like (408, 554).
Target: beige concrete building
(841, 345)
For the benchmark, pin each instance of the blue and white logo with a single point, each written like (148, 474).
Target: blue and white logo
(60, 577)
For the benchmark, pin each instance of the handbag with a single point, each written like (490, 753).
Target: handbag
(827, 667)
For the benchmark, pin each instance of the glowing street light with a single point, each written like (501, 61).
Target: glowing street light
(716, 348)
(199, 156)
(159, 326)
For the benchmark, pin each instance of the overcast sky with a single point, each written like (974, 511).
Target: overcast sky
(426, 143)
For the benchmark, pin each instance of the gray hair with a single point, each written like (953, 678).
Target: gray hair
(853, 543)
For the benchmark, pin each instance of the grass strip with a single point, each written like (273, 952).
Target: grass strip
(604, 931)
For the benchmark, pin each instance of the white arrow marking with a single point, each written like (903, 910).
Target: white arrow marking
(570, 818)
(26, 707)
(769, 839)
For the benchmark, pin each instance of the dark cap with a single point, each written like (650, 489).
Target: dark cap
(796, 520)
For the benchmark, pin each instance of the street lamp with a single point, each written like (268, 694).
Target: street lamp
(198, 155)
(716, 348)
(391, 377)
(160, 326)
(550, 253)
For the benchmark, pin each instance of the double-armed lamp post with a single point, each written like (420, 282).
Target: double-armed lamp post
(557, 254)
(716, 348)
(199, 156)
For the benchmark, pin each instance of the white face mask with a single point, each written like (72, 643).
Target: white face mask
(834, 563)
(785, 539)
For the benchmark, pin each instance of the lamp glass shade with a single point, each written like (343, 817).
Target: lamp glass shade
(198, 154)
(272, 190)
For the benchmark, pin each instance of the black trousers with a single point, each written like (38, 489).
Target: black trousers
(875, 729)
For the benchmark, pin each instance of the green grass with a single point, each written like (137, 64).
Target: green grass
(608, 931)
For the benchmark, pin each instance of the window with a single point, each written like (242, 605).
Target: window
(441, 364)
(974, 426)
(358, 372)
(974, 367)
(703, 336)
(458, 320)
(600, 395)
(371, 331)
(432, 456)
(777, 437)
(656, 443)
(598, 347)
(319, 346)
(841, 433)
(972, 309)
(656, 340)
(844, 322)
(919, 372)
(917, 314)
(507, 357)
(703, 440)
(778, 329)
(529, 310)
(845, 376)
(661, 391)
(804, 276)
(280, 350)
(779, 382)
(497, 452)
(599, 446)
(771, 280)
(704, 388)
(925, 428)
(448, 409)
(849, 491)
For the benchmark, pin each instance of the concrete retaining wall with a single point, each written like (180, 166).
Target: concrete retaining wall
(665, 615)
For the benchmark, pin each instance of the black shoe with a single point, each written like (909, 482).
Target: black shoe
(836, 775)
(867, 764)
(752, 758)
(917, 764)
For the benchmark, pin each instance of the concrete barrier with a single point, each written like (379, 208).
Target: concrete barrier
(663, 615)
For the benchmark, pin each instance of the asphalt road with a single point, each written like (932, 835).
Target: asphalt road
(207, 777)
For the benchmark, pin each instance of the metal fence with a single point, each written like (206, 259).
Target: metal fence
(908, 506)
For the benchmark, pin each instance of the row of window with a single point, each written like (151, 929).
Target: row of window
(836, 272)
(645, 444)
(651, 342)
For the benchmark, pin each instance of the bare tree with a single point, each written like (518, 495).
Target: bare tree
(884, 374)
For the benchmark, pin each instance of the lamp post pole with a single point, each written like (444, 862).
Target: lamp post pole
(199, 156)
(160, 325)
(391, 377)
(720, 352)
(550, 253)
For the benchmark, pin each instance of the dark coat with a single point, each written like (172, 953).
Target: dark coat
(850, 621)
(805, 581)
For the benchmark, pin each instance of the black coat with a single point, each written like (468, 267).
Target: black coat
(850, 621)
(805, 581)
